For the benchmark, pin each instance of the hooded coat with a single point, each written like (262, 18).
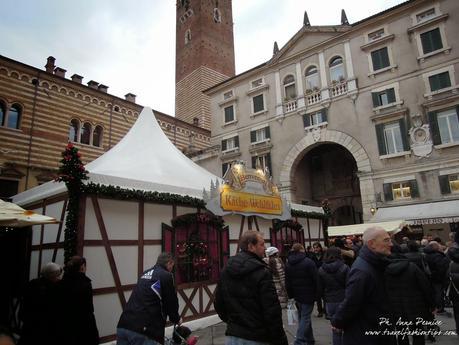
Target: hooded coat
(438, 264)
(246, 300)
(410, 291)
(301, 278)
(331, 282)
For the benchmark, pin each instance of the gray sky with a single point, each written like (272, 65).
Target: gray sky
(130, 45)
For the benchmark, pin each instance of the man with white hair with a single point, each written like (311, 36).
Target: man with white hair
(363, 310)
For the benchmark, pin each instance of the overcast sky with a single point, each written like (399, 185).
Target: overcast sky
(130, 45)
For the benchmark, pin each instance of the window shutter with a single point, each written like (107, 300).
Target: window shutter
(268, 163)
(384, 58)
(390, 95)
(375, 60)
(436, 39)
(444, 80)
(306, 120)
(387, 188)
(253, 136)
(444, 184)
(434, 128)
(375, 97)
(267, 133)
(381, 140)
(236, 141)
(404, 134)
(427, 45)
(224, 145)
(254, 162)
(434, 82)
(324, 115)
(414, 189)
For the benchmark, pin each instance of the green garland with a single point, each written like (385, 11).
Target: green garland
(72, 172)
(135, 194)
(289, 223)
(303, 214)
(192, 218)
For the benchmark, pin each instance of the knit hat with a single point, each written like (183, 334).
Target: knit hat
(271, 251)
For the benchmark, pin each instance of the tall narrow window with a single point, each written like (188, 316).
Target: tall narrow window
(229, 114)
(289, 87)
(380, 59)
(312, 78)
(85, 135)
(97, 136)
(73, 130)
(258, 103)
(14, 116)
(2, 113)
(336, 69)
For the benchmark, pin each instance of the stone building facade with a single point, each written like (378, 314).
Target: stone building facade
(41, 110)
(204, 55)
(364, 114)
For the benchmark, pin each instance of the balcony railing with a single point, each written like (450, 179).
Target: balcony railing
(338, 89)
(313, 97)
(290, 106)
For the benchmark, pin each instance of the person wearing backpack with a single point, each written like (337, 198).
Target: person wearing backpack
(331, 284)
(453, 254)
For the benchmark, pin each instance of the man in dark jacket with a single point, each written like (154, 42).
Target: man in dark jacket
(364, 305)
(410, 297)
(438, 264)
(246, 297)
(153, 300)
(301, 282)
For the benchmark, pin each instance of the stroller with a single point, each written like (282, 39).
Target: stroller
(181, 336)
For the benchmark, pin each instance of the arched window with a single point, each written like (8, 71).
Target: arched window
(336, 69)
(289, 87)
(73, 130)
(14, 116)
(312, 78)
(217, 15)
(97, 136)
(2, 113)
(85, 135)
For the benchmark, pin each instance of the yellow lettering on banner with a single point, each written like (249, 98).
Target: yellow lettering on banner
(250, 203)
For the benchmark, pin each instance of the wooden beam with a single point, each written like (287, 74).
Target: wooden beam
(108, 250)
(59, 231)
(141, 238)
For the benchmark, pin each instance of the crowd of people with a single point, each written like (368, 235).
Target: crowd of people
(57, 307)
(373, 289)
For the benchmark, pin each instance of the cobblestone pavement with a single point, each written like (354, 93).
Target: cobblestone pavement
(215, 335)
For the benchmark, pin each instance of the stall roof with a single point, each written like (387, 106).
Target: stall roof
(425, 213)
(14, 216)
(358, 229)
(144, 159)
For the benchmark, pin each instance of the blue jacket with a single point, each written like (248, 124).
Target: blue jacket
(301, 278)
(365, 301)
(153, 299)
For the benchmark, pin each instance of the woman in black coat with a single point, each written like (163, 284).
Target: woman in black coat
(80, 324)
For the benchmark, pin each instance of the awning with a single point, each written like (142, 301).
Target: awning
(358, 229)
(418, 214)
(15, 216)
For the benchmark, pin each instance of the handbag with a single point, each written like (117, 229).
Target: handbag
(292, 313)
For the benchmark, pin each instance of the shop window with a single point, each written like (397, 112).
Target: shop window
(200, 244)
(284, 234)
(449, 183)
(401, 190)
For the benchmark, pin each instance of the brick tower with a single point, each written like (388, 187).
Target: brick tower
(204, 55)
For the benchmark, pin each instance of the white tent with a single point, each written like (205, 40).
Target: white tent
(357, 229)
(144, 159)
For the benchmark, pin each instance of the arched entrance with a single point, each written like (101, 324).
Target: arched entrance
(344, 175)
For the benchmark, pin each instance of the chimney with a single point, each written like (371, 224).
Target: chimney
(50, 64)
(103, 88)
(93, 84)
(60, 72)
(77, 78)
(130, 97)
